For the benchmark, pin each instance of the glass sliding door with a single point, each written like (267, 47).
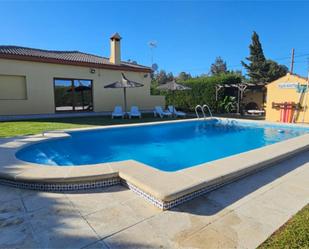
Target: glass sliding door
(73, 95)
(63, 95)
(83, 95)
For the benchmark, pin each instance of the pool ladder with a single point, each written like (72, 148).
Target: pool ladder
(202, 109)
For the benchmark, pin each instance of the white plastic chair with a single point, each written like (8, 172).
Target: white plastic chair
(118, 112)
(159, 111)
(134, 112)
(173, 110)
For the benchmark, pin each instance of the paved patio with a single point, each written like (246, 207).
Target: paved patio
(240, 215)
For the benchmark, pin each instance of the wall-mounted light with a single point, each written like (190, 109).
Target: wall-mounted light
(92, 70)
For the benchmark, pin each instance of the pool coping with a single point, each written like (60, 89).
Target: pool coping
(161, 188)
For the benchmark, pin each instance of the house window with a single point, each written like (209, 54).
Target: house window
(73, 95)
(13, 87)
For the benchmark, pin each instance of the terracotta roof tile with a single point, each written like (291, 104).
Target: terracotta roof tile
(65, 57)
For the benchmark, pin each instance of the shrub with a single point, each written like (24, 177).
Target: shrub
(202, 92)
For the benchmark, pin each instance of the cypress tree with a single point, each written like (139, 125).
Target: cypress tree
(257, 67)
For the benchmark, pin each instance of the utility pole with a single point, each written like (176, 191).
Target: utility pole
(292, 61)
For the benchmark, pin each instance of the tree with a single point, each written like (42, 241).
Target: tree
(237, 71)
(259, 68)
(275, 70)
(170, 76)
(159, 78)
(182, 76)
(162, 77)
(218, 67)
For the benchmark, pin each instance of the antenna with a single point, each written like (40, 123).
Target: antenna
(152, 45)
(154, 67)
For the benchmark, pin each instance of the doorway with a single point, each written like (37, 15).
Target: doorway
(73, 95)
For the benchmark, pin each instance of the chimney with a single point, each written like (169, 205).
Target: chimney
(115, 49)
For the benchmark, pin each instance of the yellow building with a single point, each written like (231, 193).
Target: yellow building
(35, 81)
(288, 100)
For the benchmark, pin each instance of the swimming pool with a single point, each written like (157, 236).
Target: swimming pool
(168, 147)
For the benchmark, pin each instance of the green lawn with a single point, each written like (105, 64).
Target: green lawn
(294, 234)
(29, 127)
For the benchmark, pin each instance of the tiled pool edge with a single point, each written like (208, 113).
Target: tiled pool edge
(153, 193)
(165, 205)
(61, 187)
(169, 204)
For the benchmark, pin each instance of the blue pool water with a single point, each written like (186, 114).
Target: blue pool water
(168, 147)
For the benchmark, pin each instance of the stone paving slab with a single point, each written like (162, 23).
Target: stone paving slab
(88, 202)
(239, 215)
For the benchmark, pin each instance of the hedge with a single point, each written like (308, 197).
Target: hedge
(202, 92)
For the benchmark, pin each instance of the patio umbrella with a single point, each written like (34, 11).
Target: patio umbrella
(124, 83)
(173, 86)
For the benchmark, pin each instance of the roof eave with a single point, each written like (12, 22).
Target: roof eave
(74, 63)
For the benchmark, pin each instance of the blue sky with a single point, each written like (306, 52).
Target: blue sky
(189, 34)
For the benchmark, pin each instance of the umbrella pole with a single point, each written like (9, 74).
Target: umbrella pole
(125, 100)
(173, 103)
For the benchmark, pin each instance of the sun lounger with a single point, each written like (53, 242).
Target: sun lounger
(159, 111)
(118, 112)
(173, 110)
(134, 112)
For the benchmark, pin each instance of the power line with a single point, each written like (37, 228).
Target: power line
(282, 58)
(289, 57)
(302, 55)
(301, 62)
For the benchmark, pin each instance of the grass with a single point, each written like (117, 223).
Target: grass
(30, 127)
(294, 234)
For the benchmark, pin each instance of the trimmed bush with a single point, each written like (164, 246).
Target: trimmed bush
(202, 92)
